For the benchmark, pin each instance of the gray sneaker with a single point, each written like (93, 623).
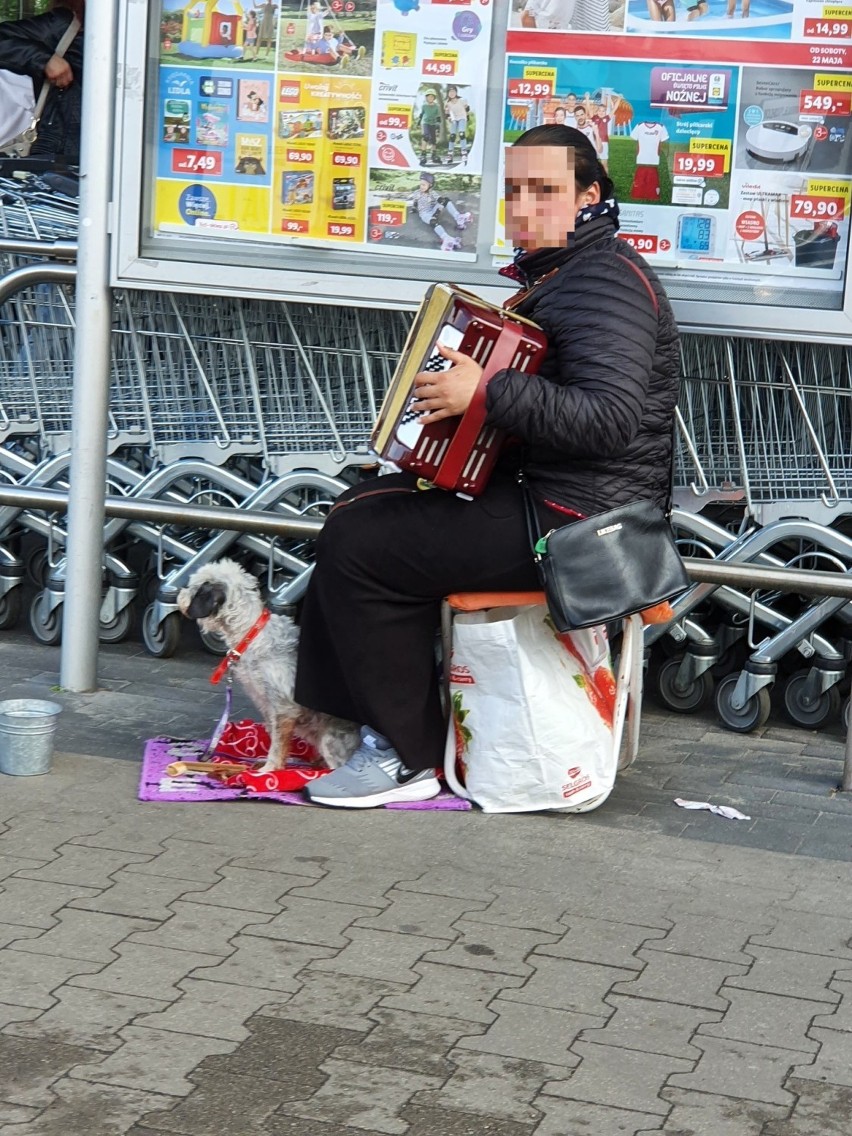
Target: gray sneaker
(373, 776)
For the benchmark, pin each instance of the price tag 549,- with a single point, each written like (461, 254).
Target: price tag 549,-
(825, 102)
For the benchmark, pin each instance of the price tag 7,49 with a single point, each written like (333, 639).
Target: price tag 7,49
(197, 162)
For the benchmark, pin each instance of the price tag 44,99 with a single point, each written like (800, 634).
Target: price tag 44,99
(439, 66)
(817, 208)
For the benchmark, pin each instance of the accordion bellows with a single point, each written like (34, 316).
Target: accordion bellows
(457, 453)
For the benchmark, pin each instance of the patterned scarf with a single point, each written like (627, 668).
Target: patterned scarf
(528, 265)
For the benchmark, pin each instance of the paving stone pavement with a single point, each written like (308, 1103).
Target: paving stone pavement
(257, 970)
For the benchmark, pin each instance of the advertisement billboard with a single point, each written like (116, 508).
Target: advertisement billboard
(351, 150)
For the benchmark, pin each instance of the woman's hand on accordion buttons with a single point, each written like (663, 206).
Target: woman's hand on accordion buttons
(446, 393)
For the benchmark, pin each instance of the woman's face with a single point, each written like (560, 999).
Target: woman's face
(542, 199)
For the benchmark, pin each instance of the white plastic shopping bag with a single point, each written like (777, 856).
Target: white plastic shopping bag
(17, 106)
(532, 713)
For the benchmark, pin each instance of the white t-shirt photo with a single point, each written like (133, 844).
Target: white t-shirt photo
(650, 136)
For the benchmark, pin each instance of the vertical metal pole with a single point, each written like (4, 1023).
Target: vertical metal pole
(79, 658)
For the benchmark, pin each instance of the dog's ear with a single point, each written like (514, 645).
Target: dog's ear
(206, 601)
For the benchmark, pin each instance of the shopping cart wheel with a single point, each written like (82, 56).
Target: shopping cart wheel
(117, 629)
(161, 639)
(10, 608)
(755, 713)
(816, 714)
(213, 643)
(46, 625)
(688, 699)
(37, 567)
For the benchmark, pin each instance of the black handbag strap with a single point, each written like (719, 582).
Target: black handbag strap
(531, 516)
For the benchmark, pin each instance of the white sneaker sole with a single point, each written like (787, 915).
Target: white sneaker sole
(418, 791)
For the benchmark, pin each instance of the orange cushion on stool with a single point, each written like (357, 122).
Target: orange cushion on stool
(480, 601)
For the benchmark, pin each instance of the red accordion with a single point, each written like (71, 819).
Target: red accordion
(456, 453)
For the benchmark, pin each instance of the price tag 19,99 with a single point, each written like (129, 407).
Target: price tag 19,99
(700, 165)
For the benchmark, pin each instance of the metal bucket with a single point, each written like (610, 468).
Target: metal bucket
(27, 726)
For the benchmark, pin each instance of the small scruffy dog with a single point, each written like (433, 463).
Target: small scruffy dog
(225, 599)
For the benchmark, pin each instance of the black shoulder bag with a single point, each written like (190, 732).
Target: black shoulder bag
(605, 567)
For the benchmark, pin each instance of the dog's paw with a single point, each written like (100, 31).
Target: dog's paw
(270, 766)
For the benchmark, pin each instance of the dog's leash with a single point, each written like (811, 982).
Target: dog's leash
(223, 669)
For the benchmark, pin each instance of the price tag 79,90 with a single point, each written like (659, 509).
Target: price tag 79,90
(817, 208)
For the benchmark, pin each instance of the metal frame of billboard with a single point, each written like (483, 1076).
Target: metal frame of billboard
(299, 271)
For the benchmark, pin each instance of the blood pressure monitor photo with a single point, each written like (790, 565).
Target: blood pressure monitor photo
(696, 234)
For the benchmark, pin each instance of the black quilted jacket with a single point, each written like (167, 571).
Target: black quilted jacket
(597, 421)
(25, 47)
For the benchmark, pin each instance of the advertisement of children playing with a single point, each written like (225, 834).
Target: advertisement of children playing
(323, 37)
(220, 33)
(433, 213)
(443, 125)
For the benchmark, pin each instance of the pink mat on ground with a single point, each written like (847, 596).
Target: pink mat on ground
(156, 785)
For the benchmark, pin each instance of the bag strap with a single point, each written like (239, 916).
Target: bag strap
(68, 38)
(655, 302)
(530, 515)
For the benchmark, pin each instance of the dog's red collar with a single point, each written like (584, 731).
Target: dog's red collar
(236, 653)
